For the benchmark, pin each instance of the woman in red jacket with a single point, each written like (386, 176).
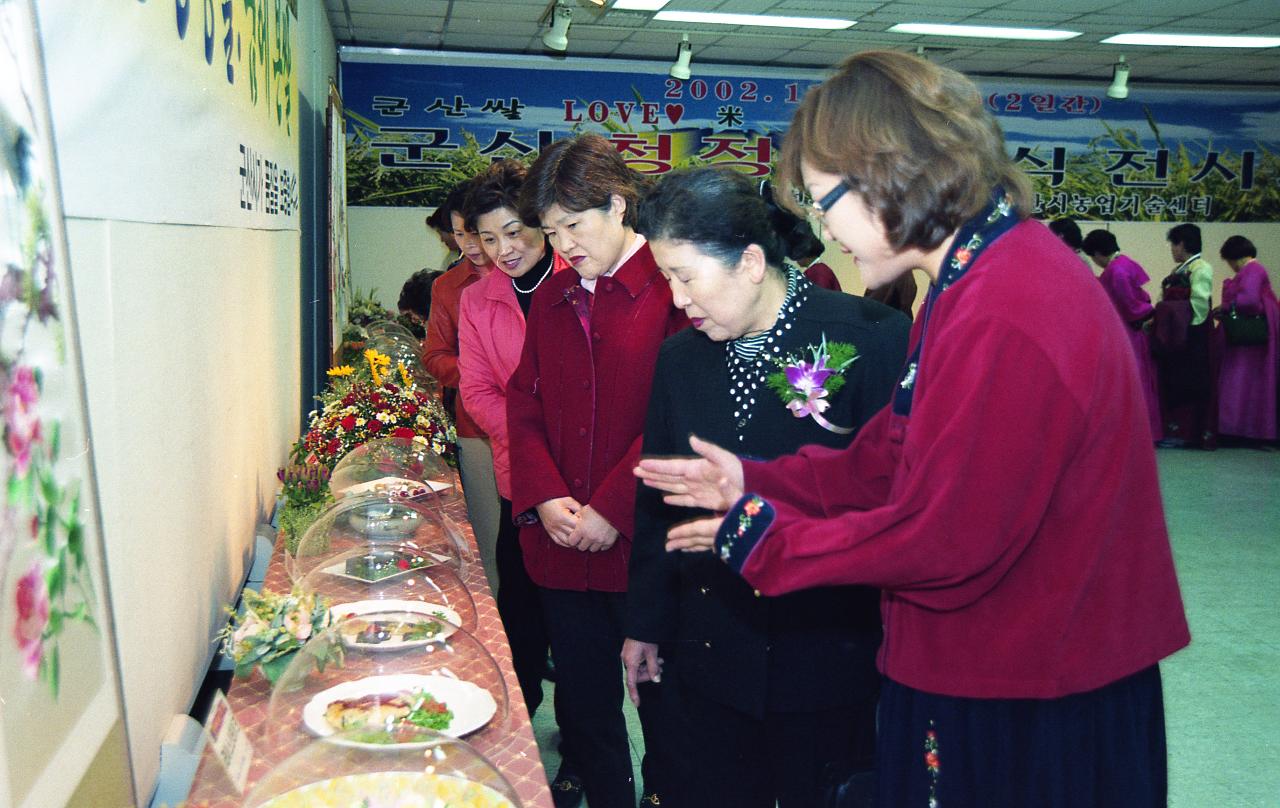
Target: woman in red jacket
(1006, 502)
(576, 410)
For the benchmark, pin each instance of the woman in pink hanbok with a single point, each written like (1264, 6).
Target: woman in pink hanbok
(1123, 278)
(1247, 375)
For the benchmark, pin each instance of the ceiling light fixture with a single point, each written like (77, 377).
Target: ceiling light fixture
(639, 5)
(982, 31)
(557, 38)
(684, 55)
(1119, 88)
(764, 20)
(1193, 40)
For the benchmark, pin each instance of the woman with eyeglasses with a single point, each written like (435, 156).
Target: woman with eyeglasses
(1006, 502)
(774, 697)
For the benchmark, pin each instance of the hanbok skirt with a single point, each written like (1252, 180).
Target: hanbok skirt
(1101, 749)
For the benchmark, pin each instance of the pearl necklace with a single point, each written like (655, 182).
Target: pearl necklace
(536, 285)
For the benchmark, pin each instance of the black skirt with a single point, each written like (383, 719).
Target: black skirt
(1097, 749)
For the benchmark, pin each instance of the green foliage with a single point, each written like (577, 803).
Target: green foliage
(296, 518)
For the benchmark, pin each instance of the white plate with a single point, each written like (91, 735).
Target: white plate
(366, 608)
(472, 706)
(340, 569)
(393, 485)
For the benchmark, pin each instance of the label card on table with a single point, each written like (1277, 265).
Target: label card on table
(230, 744)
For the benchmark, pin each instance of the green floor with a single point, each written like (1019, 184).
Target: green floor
(1222, 694)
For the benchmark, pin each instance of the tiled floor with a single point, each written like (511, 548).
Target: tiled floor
(1222, 694)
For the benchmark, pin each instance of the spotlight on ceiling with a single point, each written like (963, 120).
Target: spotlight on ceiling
(684, 55)
(1119, 88)
(557, 38)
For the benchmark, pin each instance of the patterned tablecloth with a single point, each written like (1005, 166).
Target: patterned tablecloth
(508, 744)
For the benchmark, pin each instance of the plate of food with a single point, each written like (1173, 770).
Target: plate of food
(395, 486)
(400, 789)
(383, 565)
(393, 625)
(397, 711)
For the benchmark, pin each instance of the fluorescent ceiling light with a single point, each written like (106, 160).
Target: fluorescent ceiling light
(769, 20)
(981, 31)
(640, 5)
(1194, 40)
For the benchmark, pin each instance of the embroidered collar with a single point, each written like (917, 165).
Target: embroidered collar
(1185, 266)
(972, 239)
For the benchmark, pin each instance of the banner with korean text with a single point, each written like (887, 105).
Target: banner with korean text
(176, 111)
(417, 123)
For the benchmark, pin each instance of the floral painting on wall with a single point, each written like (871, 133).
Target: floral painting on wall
(59, 699)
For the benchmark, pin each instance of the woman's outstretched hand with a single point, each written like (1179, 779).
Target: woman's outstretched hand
(712, 480)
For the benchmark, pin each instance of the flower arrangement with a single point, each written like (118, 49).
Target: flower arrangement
(387, 403)
(272, 628)
(805, 385)
(305, 488)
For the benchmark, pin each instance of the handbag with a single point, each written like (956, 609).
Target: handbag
(1245, 329)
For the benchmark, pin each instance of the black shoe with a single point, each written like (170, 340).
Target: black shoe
(566, 790)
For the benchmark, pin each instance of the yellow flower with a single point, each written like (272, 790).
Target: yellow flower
(404, 375)
(341, 370)
(376, 358)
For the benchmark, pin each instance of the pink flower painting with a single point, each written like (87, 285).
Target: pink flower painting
(33, 615)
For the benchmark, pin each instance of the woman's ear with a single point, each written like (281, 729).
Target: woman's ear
(754, 263)
(617, 206)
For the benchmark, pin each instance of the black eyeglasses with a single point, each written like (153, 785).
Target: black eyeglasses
(820, 207)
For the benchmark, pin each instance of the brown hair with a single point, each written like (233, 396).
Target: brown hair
(497, 187)
(912, 138)
(578, 174)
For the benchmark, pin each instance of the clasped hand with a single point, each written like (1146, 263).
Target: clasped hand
(576, 526)
(712, 480)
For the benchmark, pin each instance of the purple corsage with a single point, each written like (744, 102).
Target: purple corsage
(806, 380)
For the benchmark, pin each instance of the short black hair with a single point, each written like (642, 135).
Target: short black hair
(498, 187)
(798, 239)
(1100, 242)
(1186, 234)
(453, 203)
(415, 295)
(1237, 247)
(716, 209)
(1067, 230)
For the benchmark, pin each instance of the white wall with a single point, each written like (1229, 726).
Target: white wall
(190, 345)
(191, 352)
(387, 245)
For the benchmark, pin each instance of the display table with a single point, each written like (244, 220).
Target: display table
(515, 756)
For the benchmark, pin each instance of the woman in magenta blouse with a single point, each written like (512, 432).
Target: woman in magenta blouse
(1123, 278)
(1247, 373)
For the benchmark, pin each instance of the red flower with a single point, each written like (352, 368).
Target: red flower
(411, 409)
(348, 423)
(402, 432)
(374, 425)
(931, 760)
(964, 256)
(332, 447)
(403, 564)
(376, 399)
(32, 601)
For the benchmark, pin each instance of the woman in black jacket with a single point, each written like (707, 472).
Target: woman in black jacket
(774, 698)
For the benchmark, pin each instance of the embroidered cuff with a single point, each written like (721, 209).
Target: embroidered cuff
(742, 529)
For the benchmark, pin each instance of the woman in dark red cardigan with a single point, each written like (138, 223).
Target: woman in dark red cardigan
(576, 410)
(1006, 502)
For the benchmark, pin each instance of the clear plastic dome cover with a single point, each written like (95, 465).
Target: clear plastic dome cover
(370, 549)
(401, 467)
(444, 773)
(362, 694)
(379, 327)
